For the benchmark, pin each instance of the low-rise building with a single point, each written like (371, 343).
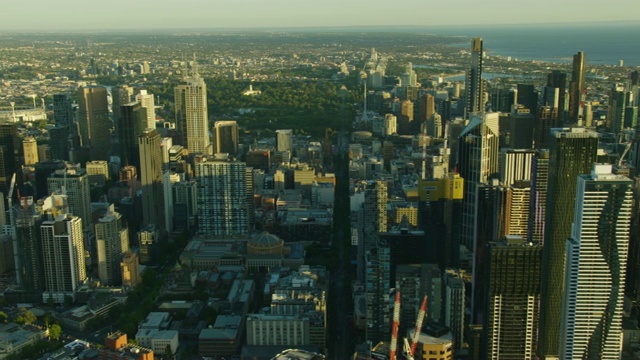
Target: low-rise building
(224, 338)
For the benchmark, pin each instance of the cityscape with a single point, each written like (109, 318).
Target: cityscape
(342, 193)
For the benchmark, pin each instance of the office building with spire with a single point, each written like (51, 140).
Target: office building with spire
(473, 84)
(572, 152)
(592, 306)
(191, 114)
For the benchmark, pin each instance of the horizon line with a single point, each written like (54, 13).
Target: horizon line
(323, 28)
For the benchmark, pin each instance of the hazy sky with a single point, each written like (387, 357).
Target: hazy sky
(171, 14)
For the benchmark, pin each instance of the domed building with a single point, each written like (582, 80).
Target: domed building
(266, 251)
(265, 243)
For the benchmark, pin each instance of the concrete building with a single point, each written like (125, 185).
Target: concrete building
(596, 255)
(129, 269)
(191, 114)
(63, 257)
(225, 137)
(222, 201)
(74, 183)
(112, 241)
(30, 151)
(158, 340)
(284, 140)
(94, 121)
(97, 171)
(147, 102)
(224, 338)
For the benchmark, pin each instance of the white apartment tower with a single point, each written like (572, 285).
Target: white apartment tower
(191, 114)
(63, 256)
(596, 257)
(147, 102)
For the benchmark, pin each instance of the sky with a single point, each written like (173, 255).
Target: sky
(202, 14)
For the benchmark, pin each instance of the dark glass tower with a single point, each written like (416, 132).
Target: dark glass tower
(512, 293)
(473, 86)
(558, 80)
(94, 121)
(10, 153)
(577, 87)
(131, 125)
(572, 152)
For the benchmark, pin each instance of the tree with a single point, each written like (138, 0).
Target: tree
(168, 354)
(24, 317)
(54, 332)
(3, 316)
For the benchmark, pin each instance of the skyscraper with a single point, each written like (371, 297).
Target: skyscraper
(121, 95)
(63, 255)
(473, 83)
(616, 109)
(557, 83)
(131, 125)
(74, 183)
(191, 114)
(62, 110)
(538, 198)
(112, 241)
(222, 208)
(225, 137)
(377, 286)
(30, 150)
(284, 140)
(151, 178)
(146, 101)
(572, 152)
(94, 121)
(512, 293)
(593, 299)
(10, 154)
(576, 88)
(477, 163)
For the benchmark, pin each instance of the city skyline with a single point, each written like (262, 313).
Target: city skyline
(287, 13)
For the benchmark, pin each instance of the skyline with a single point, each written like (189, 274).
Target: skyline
(256, 14)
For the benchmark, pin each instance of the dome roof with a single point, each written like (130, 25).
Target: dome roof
(266, 240)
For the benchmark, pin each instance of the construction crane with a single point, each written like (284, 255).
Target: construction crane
(624, 153)
(416, 333)
(394, 329)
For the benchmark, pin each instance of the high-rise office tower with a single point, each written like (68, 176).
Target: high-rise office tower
(577, 88)
(538, 198)
(473, 84)
(528, 97)
(548, 118)
(30, 150)
(616, 109)
(191, 114)
(62, 110)
(477, 163)
(151, 178)
(557, 80)
(515, 165)
(284, 140)
(503, 98)
(454, 305)
(112, 241)
(427, 107)
(74, 183)
(593, 300)
(377, 286)
(225, 137)
(121, 95)
(131, 125)
(147, 102)
(572, 152)
(10, 155)
(28, 247)
(63, 255)
(512, 293)
(515, 210)
(222, 207)
(94, 121)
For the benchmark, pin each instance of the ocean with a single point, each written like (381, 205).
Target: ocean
(603, 44)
